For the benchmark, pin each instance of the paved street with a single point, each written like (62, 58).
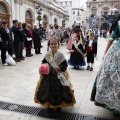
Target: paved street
(18, 83)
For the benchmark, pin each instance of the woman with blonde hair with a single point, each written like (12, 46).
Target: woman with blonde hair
(28, 40)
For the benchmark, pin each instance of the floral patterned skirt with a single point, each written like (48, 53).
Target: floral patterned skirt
(106, 88)
(51, 94)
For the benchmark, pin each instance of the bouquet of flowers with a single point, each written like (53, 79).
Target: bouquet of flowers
(44, 69)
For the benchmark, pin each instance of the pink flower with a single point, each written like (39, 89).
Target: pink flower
(44, 69)
(71, 51)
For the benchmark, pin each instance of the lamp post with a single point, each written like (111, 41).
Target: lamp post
(39, 12)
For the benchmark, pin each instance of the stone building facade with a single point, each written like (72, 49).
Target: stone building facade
(76, 13)
(96, 8)
(24, 11)
(67, 4)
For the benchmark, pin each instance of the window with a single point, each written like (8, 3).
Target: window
(4, 13)
(73, 12)
(78, 13)
(28, 14)
(116, 12)
(2, 8)
(93, 12)
(105, 12)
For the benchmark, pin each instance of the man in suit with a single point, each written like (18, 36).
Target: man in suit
(6, 42)
(18, 39)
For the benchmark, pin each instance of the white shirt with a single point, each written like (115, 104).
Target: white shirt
(90, 42)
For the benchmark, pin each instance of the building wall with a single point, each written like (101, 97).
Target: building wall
(74, 7)
(67, 4)
(76, 3)
(99, 6)
(16, 9)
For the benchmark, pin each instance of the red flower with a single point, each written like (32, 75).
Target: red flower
(44, 69)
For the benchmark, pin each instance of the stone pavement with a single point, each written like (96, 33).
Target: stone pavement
(18, 83)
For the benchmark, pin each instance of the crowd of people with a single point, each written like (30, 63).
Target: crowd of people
(18, 37)
(25, 36)
(54, 89)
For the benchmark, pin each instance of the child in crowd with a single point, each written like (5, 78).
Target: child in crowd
(91, 49)
(77, 52)
(54, 89)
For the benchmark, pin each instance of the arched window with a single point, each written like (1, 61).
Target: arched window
(28, 14)
(28, 17)
(94, 11)
(44, 18)
(4, 13)
(2, 8)
(106, 10)
(45, 21)
(55, 21)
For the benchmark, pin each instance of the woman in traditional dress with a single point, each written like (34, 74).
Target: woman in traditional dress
(54, 89)
(106, 90)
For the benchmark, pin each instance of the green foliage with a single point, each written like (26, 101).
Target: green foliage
(39, 18)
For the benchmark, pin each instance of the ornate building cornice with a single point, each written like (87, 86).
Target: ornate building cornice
(19, 2)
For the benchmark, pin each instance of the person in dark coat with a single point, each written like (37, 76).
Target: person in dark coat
(6, 42)
(77, 56)
(28, 39)
(41, 31)
(22, 41)
(18, 39)
(91, 50)
(37, 40)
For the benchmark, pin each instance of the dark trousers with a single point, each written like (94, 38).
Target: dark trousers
(90, 57)
(3, 54)
(97, 46)
(21, 50)
(0, 45)
(37, 50)
(28, 52)
(12, 47)
(17, 49)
